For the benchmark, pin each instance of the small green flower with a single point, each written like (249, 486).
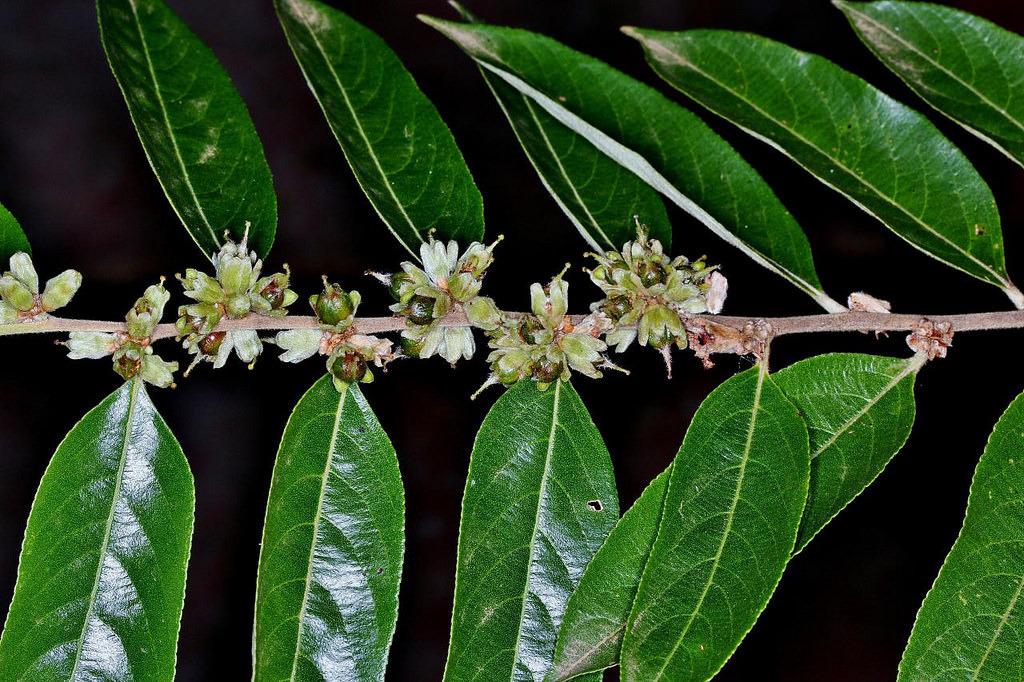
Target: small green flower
(142, 319)
(19, 290)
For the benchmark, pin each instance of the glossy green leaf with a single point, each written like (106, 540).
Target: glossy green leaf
(401, 152)
(969, 627)
(599, 196)
(859, 410)
(540, 499)
(331, 563)
(101, 581)
(885, 157)
(964, 66)
(595, 617)
(12, 237)
(735, 496)
(666, 146)
(192, 122)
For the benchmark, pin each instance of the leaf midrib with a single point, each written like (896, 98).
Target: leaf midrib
(536, 524)
(105, 544)
(664, 51)
(999, 629)
(328, 462)
(730, 516)
(362, 134)
(912, 365)
(913, 48)
(170, 131)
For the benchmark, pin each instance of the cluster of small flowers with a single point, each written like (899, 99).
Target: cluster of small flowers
(236, 290)
(446, 283)
(20, 300)
(131, 349)
(349, 355)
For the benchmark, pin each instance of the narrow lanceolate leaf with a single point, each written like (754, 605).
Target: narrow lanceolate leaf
(666, 146)
(595, 617)
(885, 157)
(331, 563)
(540, 499)
(401, 152)
(192, 122)
(732, 509)
(102, 575)
(969, 627)
(964, 66)
(601, 198)
(12, 237)
(859, 410)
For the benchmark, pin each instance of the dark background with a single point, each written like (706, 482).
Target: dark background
(73, 172)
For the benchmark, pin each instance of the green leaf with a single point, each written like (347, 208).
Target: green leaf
(969, 627)
(193, 125)
(666, 146)
(859, 410)
(12, 237)
(600, 197)
(735, 495)
(885, 157)
(595, 617)
(102, 575)
(331, 563)
(964, 66)
(401, 152)
(540, 499)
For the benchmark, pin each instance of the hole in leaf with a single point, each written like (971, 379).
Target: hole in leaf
(595, 505)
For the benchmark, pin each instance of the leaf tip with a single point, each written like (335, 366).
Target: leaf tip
(633, 32)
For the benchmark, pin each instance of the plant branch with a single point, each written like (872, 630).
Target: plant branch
(779, 326)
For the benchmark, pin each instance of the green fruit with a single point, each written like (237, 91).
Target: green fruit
(650, 274)
(333, 306)
(547, 371)
(528, 328)
(411, 347)
(420, 310)
(616, 307)
(349, 368)
(395, 284)
(211, 343)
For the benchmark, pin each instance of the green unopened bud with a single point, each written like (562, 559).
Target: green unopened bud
(16, 294)
(247, 345)
(24, 271)
(483, 313)
(8, 313)
(660, 326)
(348, 368)
(334, 305)
(157, 371)
(238, 306)
(397, 285)
(59, 290)
(420, 310)
(90, 345)
(235, 274)
(411, 347)
(142, 319)
(299, 344)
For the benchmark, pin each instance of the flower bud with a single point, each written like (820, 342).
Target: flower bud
(299, 344)
(157, 371)
(8, 313)
(483, 313)
(235, 274)
(659, 327)
(16, 294)
(411, 347)
(142, 319)
(24, 271)
(60, 289)
(397, 285)
(246, 343)
(91, 345)
(237, 306)
(334, 306)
